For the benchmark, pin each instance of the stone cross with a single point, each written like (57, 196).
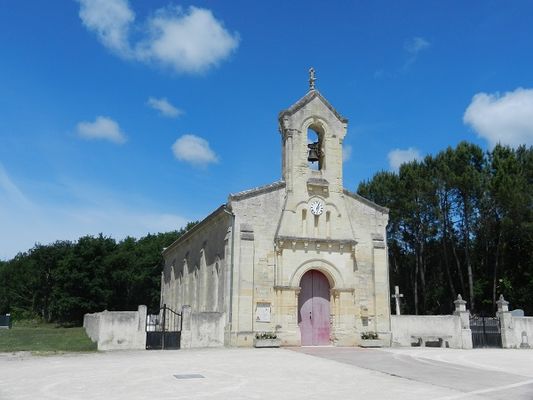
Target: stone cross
(397, 295)
(312, 78)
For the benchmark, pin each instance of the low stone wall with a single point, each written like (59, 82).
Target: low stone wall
(521, 332)
(91, 323)
(453, 330)
(117, 330)
(448, 327)
(517, 332)
(202, 329)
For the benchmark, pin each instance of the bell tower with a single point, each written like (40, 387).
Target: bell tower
(312, 133)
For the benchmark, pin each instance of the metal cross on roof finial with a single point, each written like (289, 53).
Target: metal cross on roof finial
(312, 78)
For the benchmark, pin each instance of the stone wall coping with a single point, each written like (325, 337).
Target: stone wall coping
(297, 288)
(297, 239)
(223, 209)
(281, 287)
(369, 203)
(424, 316)
(245, 194)
(343, 290)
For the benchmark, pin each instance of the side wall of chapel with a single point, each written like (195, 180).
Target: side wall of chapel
(196, 270)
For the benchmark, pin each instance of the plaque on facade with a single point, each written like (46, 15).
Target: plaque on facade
(262, 293)
(262, 312)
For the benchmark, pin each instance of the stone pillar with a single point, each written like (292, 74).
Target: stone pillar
(343, 318)
(186, 332)
(464, 316)
(506, 323)
(140, 342)
(382, 312)
(243, 317)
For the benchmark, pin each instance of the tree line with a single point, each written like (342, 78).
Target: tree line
(62, 281)
(461, 222)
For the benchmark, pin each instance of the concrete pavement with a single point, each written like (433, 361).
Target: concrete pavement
(327, 373)
(489, 373)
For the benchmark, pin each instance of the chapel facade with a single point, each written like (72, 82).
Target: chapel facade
(303, 257)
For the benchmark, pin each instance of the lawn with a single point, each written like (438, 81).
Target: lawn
(39, 337)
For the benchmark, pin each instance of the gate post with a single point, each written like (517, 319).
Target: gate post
(186, 333)
(506, 323)
(163, 327)
(141, 327)
(464, 317)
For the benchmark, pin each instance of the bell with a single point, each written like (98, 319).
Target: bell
(314, 153)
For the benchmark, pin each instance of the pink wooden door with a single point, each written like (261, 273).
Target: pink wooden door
(313, 309)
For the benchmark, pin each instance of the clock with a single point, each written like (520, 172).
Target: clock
(316, 207)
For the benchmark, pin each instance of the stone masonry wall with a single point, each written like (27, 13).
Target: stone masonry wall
(522, 332)
(117, 330)
(196, 269)
(256, 220)
(404, 327)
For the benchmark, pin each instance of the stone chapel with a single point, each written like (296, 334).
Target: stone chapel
(303, 257)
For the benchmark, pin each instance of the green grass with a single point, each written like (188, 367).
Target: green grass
(40, 337)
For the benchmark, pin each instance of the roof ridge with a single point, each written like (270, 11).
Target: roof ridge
(364, 200)
(259, 189)
(306, 99)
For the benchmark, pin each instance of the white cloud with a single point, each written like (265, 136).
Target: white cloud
(414, 47)
(194, 150)
(111, 20)
(189, 41)
(102, 128)
(164, 107)
(346, 152)
(505, 119)
(86, 211)
(416, 44)
(398, 157)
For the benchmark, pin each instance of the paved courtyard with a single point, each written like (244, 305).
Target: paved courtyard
(299, 373)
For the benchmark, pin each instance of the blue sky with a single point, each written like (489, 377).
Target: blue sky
(134, 117)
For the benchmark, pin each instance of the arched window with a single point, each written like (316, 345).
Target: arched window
(328, 224)
(304, 222)
(214, 283)
(315, 156)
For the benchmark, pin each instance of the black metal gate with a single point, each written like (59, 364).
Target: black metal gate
(163, 330)
(485, 331)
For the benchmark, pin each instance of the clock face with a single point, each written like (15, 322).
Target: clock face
(316, 207)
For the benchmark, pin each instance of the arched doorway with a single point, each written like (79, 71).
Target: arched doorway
(313, 309)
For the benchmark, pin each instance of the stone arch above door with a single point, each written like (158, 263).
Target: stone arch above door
(328, 269)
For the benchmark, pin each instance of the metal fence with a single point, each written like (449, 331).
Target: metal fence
(5, 321)
(486, 331)
(163, 330)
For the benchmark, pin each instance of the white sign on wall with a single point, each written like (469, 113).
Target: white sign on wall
(262, 312)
